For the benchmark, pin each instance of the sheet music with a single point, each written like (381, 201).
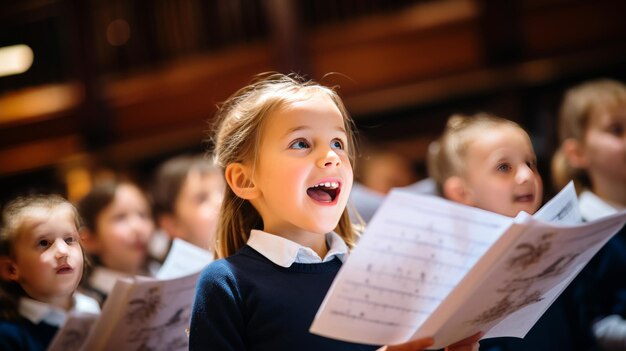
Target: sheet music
(183, 259)
(563, 208)
(74, 331)
(430, 267)
(410, 258)
(518, 320)
(145, 315)
(529, 276)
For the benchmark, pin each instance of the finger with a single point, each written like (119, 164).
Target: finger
(467, 344)
(469, 340)
(413, 345)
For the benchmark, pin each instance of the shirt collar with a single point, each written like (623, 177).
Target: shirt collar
(103, 279)
(285, 252)
(37, 311)
(592, 207)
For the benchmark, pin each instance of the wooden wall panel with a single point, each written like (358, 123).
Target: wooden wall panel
(184, 96)
(429, 53)
(402, 59)
(572, 25)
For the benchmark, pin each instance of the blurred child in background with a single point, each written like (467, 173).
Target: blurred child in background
(379, 170)
(489, 162)
(118, 226)
(592, 130)
(187, 195)
(41, 265)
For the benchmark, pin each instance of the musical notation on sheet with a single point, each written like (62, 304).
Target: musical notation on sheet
(410, 263)
(429, 267)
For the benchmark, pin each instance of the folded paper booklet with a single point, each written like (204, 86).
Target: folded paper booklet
(426, 266)
(145, 314)
(141, 313)
(72, 335)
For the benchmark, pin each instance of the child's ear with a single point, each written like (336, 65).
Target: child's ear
(454, 189)
(238, 177)
(89, 239)
(8, 269)
(574, 153)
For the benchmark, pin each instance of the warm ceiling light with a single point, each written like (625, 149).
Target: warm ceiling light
(15, 59)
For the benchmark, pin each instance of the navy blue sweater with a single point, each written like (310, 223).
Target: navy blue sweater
(246, 302)
(600, 289)
(23, 335)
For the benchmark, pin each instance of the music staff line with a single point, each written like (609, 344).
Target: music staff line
(430, 229)
(428, 212)
(418, 242)
(393, 291)
(389, 252)
(373, 321)
(384, 305)
(410, 279)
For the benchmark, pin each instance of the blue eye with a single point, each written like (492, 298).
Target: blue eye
(337, 144)
(70, 240)
(299, 144)
(43, 243)
(503, 167)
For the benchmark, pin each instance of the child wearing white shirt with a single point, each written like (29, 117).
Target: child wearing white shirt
(592, 129)
(41, 264)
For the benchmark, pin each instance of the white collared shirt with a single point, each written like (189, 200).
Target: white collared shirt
(285, 252)
(592, 207)
(37, 311)
(103, 279)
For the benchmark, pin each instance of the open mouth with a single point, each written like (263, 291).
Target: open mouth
(524, 198)
(139, 246)
(65, 269)
(325, 192)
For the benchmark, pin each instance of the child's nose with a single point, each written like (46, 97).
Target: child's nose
(60, 248)
(524, 174)
(141, 227)
(329, 159)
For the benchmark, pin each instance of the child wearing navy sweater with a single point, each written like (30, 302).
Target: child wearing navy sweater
(592, 130)
(41, 264)
(488, 162)
(286, 147)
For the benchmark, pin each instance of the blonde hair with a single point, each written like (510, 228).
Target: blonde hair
(446, 155)
(17, 213)
(15, 219)
(239, 122)
(578, 105)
